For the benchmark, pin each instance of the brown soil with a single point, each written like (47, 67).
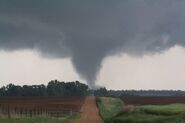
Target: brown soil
(89, 112)
(36, 106)
(132, 100)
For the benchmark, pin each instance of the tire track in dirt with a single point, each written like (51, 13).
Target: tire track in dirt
(89, 112)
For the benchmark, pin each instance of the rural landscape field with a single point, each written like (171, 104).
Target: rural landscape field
(113, 110)
(92, 61)
(74, 102)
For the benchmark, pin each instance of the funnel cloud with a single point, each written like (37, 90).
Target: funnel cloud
(87, 31)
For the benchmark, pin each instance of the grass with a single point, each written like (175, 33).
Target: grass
(141, 117)
(109, 107)
(113, 110)
(171, 109)
(41, 119)
(74, 116)
(32, 120)
(174, 113)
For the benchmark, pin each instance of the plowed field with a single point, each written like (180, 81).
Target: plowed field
(139, 100)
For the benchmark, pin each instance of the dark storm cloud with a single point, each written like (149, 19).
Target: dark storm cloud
(89, 30)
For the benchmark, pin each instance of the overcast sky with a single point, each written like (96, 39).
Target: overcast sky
(164, 70)
(122, 44)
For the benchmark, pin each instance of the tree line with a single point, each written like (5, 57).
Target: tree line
(75, 88)
(54, 88)
(120, 93)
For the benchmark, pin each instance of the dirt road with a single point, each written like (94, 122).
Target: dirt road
(90, 112)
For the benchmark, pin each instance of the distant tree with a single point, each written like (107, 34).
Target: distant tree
(82, 89)
(12, 90)
(54, 88)
(57, 88)
(42, 90)
(101, 92)
(2, 91)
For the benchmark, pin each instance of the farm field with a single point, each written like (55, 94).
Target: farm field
(49, 110)
(165, 113)
(31, 107)
(173, 113)
(145, 100)
(109, 107)
(84, 109)
(33, 120)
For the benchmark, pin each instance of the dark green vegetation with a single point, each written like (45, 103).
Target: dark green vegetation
(143, 117)
(54, 88)
(121, 93)
(171, 109)
(101, 92)
(109, 107)
(75, 88)
(174, 113)
(32, 120)
(74, 116)
(112, 112)
(42, 119)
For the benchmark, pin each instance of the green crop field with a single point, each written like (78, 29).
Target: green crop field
(171, 109)
(113, 111)
(32, 120)
(149, 114)
(109, 107)
(42, 119)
